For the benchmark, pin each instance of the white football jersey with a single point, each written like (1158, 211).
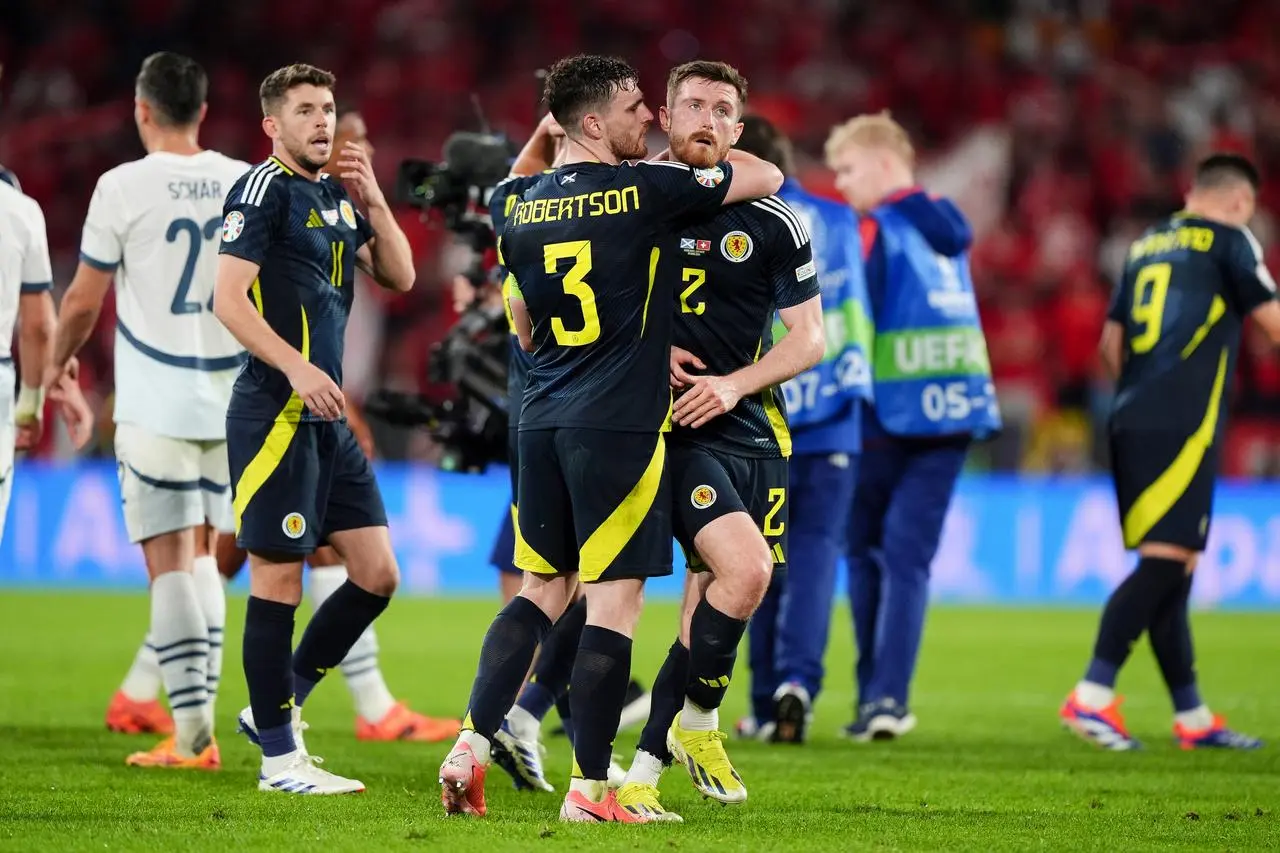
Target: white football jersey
(24, 260)
(156, 223)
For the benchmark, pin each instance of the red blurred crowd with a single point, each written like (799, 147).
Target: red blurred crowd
(1091, 113)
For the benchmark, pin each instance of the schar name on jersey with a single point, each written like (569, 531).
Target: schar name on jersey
(203, 189)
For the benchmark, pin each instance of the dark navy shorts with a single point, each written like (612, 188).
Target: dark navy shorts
(1164, 487)
(708, 483)
(295, 484)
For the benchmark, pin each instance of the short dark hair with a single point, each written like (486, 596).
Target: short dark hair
(579, 84)
(278, 83)
(1219, 169)
(175, 85)
(761, 138)
(702, 69)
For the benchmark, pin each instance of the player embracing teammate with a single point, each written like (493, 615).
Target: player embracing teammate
(585, 247)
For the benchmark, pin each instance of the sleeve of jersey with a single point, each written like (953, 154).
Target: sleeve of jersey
(363, 228)
(101, 243)
(682, 190)
(37, 272)
(791, 264)
(1250, 279)
(251, 217)
(505, 195)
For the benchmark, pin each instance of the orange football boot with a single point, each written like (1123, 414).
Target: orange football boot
(401, 723)
(578, 809)
(462, 782)
(164, 754)
(131, 717)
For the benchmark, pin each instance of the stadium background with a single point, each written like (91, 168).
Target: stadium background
(1061, 128)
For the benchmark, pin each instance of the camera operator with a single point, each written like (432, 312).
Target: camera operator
(469, 428)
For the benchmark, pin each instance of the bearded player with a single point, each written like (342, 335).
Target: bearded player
(730, 443)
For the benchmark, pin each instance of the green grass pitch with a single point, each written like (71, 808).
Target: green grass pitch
(987, 769)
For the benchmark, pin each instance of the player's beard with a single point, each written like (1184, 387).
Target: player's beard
(307, 162)
(628, 148)
(691, 149)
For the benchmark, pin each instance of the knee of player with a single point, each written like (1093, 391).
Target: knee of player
(754, 571)
(1166, 551)
(382, 577)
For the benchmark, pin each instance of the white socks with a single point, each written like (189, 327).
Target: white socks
(479, 745)
(1095, 697)
(181, 639)
(594, 790)
(645, 769)
(212, 592)
(360, 668)
(1197, 719)
(523, 725)
(695, 719)
(142, 681)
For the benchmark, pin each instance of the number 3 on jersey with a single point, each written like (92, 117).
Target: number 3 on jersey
(198, 237)
(579, 251)
(1150, 289)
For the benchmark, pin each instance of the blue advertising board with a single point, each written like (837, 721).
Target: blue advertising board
(1007, 540)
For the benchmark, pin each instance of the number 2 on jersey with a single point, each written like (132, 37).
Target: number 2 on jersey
(579, 251)
(777, 499)
(198, 235)
(696, 278)
(1149, 292)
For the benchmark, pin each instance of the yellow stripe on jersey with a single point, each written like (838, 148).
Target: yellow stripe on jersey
(654, 254)
(777, 420)
(257, 294)
(526, 559)
(336, 250)
(607, 541)
(1158, 498)
(276, 444)
(1216, 309)
(274, 159)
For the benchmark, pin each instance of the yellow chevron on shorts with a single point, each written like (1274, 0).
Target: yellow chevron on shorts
(526, 559)
(277, 442)
(607, 541)
(1158, 498)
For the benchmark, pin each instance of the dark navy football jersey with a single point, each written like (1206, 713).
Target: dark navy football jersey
(1187, 287)
(732, 273)
(304, 235)
(501, 203)
(585, 247)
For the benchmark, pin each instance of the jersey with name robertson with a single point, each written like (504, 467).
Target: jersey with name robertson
(303, 235)
(585, 246)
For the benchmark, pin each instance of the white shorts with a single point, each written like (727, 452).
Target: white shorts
(169, 484)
